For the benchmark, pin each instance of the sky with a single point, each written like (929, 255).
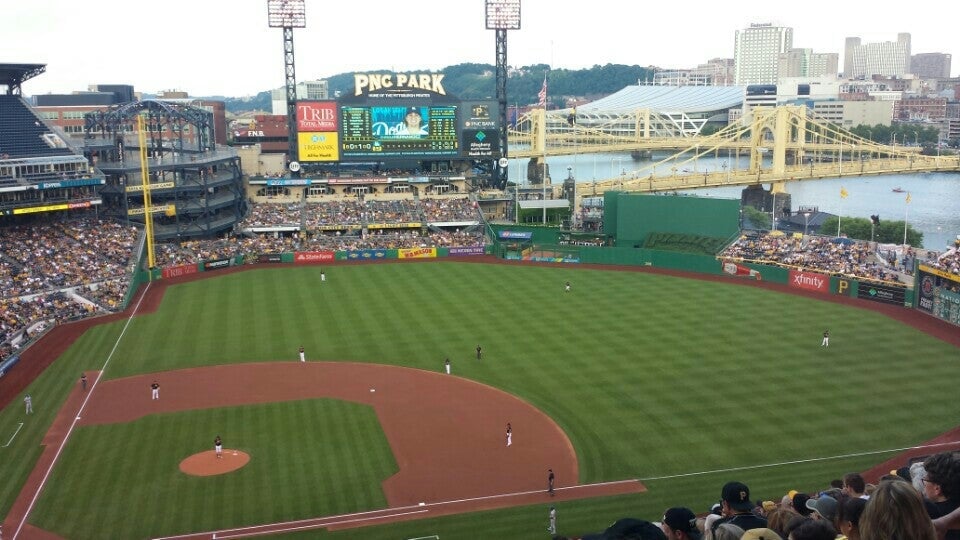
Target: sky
(224, 47)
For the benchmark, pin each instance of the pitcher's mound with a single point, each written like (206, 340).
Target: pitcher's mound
(207, 464)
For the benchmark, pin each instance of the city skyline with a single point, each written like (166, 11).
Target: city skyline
(178, 47)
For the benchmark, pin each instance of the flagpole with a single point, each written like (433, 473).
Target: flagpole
(906, 208)
(543, 182)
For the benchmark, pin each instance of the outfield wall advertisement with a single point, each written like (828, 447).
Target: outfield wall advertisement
(302, 257)
(939, 294)
(417, 253)
(809, 281)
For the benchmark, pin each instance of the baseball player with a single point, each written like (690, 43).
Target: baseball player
(479, 353)
(28, 403)
(323, 277)
(218, 447)
(826, 339)
(567, 287)
(552, 529)
(550, 478)
(446, 365)
(155, 390)
(303, 357)
(509, 434)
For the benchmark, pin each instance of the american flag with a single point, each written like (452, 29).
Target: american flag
(543, 92)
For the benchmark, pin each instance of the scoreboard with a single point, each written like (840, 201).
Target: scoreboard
(379, 131)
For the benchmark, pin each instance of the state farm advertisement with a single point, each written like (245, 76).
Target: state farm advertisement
(810, 281)
(302, 257)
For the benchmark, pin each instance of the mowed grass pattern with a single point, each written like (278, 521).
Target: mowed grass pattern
(303, 463)
(650, 376)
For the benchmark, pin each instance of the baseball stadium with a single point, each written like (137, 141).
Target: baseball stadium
(157, 298)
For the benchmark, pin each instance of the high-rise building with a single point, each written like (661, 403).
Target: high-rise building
(806, 63)
(864, 60)
(309, 90)
(756, 53)
(930, 65)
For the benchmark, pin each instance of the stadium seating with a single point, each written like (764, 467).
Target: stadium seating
(22, 132)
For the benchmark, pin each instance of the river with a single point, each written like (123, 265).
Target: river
(934, 207)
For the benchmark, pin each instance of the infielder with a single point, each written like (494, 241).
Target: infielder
(303, 357)
(155, 390)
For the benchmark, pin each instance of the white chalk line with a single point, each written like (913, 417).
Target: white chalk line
(312, 523)
(299, 523)
(13, 436)
(46, 475)
(318, 525)
(799, 461)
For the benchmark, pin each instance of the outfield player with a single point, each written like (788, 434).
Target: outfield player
(552, 528)
(155, 390)
(323, 277)
(479, 353)
(826, 339)
(218, 447)
(303, 357)
(567, 287)
(28, 403)
(446, 365)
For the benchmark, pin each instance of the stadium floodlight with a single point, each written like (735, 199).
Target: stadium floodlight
(503, 14)
(287, 13)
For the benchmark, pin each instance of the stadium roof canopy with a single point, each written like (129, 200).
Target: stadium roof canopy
(672, 99)
(13, 75)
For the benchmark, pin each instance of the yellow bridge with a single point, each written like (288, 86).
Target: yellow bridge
(795, 146)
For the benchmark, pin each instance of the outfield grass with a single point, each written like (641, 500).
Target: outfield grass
(650, 376)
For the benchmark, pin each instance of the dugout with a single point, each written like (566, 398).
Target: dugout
(631, 217)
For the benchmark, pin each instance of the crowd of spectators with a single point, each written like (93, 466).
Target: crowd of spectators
(61, 270)
(919, 502)
(948, 262)
(353, 213)
(449, 210)
(815, 253)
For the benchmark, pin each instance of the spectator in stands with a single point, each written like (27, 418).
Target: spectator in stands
(737, 508)
(849, 517)
(634, 529)
(727, 531)
(813, 529)
(824, 507)
(853, 486)
(680, 523)
(941, 487)
(896, 511)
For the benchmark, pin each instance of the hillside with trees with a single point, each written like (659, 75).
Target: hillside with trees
(478, 81)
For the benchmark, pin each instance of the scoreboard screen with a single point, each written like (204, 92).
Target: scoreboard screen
(420, 131)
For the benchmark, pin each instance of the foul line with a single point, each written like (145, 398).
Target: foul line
(13, 436)
(799, 461)
(385, 513)
(76, 418)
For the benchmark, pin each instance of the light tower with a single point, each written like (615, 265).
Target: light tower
(502, 15)
(289, 14)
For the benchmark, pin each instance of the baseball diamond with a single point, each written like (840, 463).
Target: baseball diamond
(592, 382)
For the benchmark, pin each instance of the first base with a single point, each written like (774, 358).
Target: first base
(423, 504)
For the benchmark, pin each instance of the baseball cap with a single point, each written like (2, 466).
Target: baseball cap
(826, 506)
(737, 495)
(415, 110)
(760, 534)
(682, 519)
(800, 504)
